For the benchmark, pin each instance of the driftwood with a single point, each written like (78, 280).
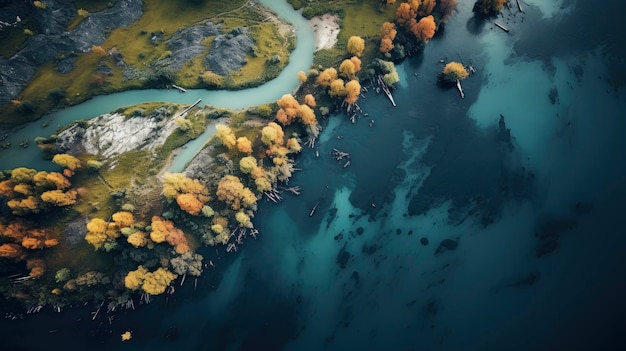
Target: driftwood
(189, 108)
(501, 27)
(385, 89)
(458, 86)
(310, 142)
(181, 89)
(294, 190)
(313, 209)
(273, 195)
(339, 155)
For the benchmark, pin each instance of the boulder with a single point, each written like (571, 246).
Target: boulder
(186, 44)
(229, 51)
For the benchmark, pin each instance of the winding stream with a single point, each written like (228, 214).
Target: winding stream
(300, 60)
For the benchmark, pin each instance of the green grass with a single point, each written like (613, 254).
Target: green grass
(13, 38)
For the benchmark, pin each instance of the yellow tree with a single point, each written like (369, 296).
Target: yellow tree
(231, 191)
(272, 134)
(347, 68)
(302, 76)
(247, 164)
(100, 232)
(67, 161)
(454, 71)
(123, 219)
(176, 184)
(226, 136)
(337, 88)
(23, 175)
(155, 283)
(356, 45)
(307, 116)
(59, 198)
(326, 77)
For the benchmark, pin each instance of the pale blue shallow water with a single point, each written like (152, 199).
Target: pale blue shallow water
(434, 167)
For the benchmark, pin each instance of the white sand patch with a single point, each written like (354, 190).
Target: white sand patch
(326, 29)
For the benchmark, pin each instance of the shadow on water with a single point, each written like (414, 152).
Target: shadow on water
(475, 25)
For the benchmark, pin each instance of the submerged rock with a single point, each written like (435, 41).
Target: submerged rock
(446, 244)
(76, 230)
(343, 257)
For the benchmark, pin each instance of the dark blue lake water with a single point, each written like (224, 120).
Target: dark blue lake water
(492, 222)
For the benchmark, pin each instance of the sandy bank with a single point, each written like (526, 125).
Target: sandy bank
(326, 29)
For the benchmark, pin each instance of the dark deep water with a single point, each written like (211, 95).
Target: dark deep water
(444, 233)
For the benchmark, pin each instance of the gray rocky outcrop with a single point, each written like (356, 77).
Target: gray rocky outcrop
(229, 51)
(92, 30)
(113, 134)
(53, 42)
(55, 18)
(186, 44)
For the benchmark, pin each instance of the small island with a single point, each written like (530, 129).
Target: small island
(113, 225)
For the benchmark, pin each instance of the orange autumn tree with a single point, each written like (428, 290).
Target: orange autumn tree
(20, 237)
(244, 145)
(309, 99)
(406, 12)
(387, 34)
(189, 194)
(164, 231)
(288, 109)
(424, 29)
(357, 63)
(426, 8)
